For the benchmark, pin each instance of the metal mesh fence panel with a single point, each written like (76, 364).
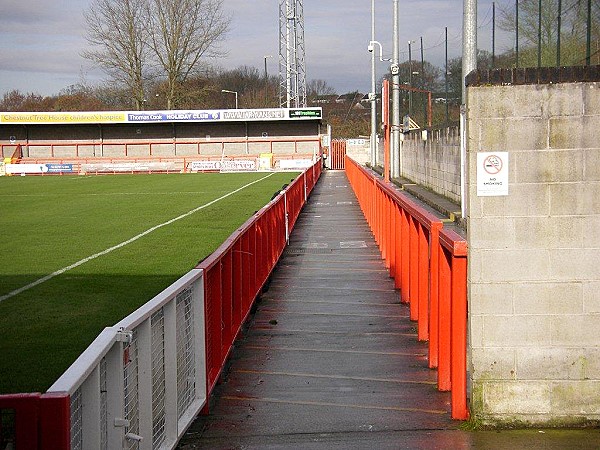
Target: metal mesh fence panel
(158, 378)
(131, 393)
(76, 421)
(103, 407)
(186, 386)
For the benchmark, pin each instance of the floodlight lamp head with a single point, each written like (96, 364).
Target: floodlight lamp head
(371, 47)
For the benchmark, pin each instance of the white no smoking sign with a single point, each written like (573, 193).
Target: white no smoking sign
(492, 174)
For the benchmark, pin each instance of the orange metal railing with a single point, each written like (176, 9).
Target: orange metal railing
(237, 271)
(428, 264)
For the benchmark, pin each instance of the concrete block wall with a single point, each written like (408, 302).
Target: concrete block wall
(435, 162)
(534, 255)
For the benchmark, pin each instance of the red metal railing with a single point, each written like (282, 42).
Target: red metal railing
(428, 264)
(39, 421)
(237, 271)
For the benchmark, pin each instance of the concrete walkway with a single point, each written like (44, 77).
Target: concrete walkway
(331, 360)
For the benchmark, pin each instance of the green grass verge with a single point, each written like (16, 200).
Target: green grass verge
(51, 222)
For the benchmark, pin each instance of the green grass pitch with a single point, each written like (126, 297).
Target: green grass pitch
(49, 223)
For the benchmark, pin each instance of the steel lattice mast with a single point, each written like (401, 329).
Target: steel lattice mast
(292, 66)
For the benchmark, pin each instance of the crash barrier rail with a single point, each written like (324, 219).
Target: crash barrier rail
(179, 147)
(428, 264)
(141, 382)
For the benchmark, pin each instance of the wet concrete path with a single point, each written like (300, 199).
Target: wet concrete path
(331, 359)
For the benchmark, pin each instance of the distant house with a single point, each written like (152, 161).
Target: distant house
(366, 101)
(349, 97)
(323, 99)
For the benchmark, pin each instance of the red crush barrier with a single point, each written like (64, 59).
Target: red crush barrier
(428, 264)
(41, 421)
(237, 271)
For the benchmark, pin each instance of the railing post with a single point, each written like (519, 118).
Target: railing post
(413, 267)
(434, 273)
(423, 282)
(405, 256)
(287, 217)
(55, 421)
(115, 419)
(444, 321)
(459, 338)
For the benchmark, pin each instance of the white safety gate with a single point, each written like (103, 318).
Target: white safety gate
(142, 382)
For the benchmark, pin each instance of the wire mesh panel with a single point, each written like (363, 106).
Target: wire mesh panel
(186, 385)
(76, 421)
(158, 378)
(131, 392)
(103, 406)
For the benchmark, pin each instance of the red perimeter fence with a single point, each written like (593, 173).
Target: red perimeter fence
(237, 271)
(234, 275)
(429, 266)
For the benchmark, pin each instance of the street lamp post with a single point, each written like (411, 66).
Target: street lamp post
(267, 81)
(266, 73)
(373, 98)
(410, 74)
(232, 92)
(372, 94)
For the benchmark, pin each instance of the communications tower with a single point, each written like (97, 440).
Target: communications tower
(292, 66)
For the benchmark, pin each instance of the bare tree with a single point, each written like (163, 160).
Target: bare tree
(182, 32)
(318, 88)
(118, 35)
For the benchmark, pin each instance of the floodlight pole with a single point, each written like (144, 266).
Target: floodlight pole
(372, 94)
(395, 157)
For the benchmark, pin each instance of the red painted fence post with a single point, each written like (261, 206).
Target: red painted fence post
(444, 320)
(459, 331)
(55, 421)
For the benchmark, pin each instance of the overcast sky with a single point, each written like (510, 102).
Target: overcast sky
(42, 40)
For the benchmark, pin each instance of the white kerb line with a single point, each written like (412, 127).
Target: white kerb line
(124, 243)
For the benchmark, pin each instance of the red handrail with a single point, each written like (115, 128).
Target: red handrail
(237, 271)
(428, 264)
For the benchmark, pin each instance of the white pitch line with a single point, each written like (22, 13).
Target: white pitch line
(124, 243)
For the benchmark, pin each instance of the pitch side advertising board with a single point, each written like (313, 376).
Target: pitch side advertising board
(236, 165)
(229, 115)
(38, 168)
